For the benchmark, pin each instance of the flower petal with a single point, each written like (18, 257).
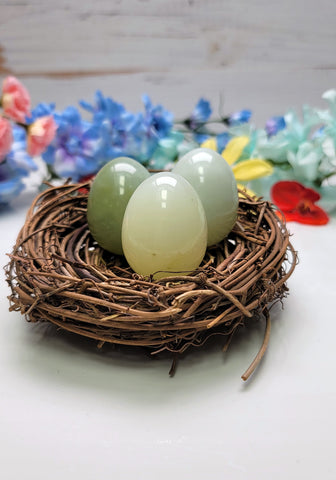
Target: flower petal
(246, 190)
(315, 216)
(234, 149)
(210, 143)
(251, 169)
(287, 194)
(311, 195)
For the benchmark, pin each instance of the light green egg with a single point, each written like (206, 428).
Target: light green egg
(212, 178)
(108, 198)
(164, 228)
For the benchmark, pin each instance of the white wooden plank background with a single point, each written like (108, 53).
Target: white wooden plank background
(259, 54)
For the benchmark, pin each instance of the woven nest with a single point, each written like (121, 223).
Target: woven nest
(58, 273)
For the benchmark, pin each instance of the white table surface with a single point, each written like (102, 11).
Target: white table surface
(69, 411)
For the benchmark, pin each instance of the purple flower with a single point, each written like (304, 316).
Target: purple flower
(274, 125)
(76, 150)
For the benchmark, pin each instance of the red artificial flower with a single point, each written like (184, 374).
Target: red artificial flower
(297, 203)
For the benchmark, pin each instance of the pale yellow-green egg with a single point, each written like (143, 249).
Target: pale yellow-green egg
(212, 178)
(164, 228)
(109, 195)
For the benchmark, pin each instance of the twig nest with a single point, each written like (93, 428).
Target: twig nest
(59, 274)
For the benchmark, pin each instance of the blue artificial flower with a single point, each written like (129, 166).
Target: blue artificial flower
(11, 183)
(158, 121)
(201, 137)
(41, 110)
(242, 116)
(18, 158)
(17, 165)
(274, 125)
(76, 150)
(222, 140)
(200, 114)
(143, 134)
(124, 133)
(106, 110)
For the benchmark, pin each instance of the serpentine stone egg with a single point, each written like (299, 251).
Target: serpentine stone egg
(164, 228)
(108, 198)
(212, 178)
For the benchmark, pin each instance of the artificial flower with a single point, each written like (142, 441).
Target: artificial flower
(166, 152)
(10, 183)
(237, 118)
(6, 138)
(15, 99)
(119, 129)
(157, 124)
(244, 170)
(41, 110)
(40, 134)
(76, 148)
(17, 166)
(306, 161)
(200, 114)
(288, 148)
(330, 96)
(222, 139)
(210, 143)
(234, 149)
(297, 203)
(217, 142)
(18, 158)
(124, 133)
(274, 125)
(251, 169)
(288, 139)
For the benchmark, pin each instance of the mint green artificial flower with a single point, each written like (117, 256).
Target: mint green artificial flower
(166, 151)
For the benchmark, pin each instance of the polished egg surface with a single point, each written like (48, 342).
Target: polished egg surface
(110, 192)
(164, 230)
(212, 178)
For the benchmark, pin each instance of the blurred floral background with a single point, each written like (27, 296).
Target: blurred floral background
(291, 160)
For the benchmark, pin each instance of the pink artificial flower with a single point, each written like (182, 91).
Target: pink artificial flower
(40, 135)
(6, 138)
(15, 99)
